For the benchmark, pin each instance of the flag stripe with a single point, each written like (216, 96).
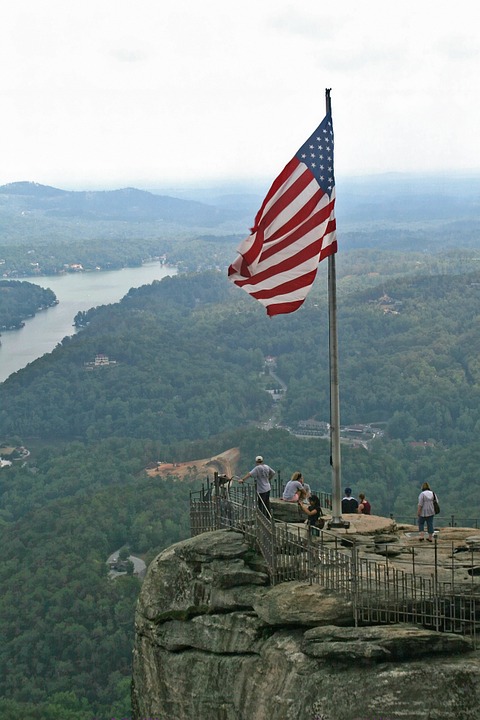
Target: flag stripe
(290, 262)
(283, 308)
(296, 240)
(302, 244)
(273, 208)
(294, 229)
(292, 191)
(276, 186)
(295, 235)
(287, 287)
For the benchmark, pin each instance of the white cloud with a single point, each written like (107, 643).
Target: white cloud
(292, 20)
(111, 92)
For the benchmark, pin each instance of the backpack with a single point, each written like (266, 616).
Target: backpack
(317, 525)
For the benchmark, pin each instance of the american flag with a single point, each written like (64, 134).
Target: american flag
(294, 229)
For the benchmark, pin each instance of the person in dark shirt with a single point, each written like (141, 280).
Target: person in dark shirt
(314, 512)
(349, 503)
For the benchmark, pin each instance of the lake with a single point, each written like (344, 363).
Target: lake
(75, 291)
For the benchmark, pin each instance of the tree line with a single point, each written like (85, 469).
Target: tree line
(190, 351)
(189, 383)
(21, 300)
(67, 628)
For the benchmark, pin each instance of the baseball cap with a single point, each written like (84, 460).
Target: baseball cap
(259, 458)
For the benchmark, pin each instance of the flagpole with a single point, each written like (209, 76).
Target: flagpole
(335, 456)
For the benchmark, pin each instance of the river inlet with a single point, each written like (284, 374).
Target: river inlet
(75, 292)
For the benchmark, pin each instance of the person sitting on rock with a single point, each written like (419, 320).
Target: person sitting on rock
(308, 491)
(364, 507)
(294, 489)
(349, 503)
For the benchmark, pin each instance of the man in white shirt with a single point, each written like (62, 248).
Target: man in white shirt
(262, 474)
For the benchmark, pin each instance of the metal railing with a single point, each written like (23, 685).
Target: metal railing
(445, 520)
(397, 589)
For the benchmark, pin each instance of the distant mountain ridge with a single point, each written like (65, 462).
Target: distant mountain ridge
(391, 198)
(30, 189)
(126, 204)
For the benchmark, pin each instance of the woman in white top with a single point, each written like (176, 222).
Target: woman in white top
(294, 489)
(425, 512)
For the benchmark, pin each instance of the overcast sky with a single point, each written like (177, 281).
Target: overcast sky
(150, 93)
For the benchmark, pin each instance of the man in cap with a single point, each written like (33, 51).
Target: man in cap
(262, 474)
(349, 503)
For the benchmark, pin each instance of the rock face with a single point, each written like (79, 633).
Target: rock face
(286, 511)
(215, 642)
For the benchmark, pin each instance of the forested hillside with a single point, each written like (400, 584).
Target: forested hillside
(66, 627)
(189, 381)
(409, 356)
(20, 300)
(189, 363)
(174, 378)
(45, 229)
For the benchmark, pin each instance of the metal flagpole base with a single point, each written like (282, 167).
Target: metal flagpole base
(338, 524)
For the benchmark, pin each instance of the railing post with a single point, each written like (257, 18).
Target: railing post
(413, 564)
(309, 555)
(273, 545)
(387, 580)
(218, 504)
(354, 581)
(436, 602)
(471, 566)
(453, 568)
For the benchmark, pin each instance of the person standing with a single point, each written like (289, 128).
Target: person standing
(425, 512)
(262, 474)
(349, 503)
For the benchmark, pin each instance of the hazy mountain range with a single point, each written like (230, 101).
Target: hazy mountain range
(127, 204)
(392, 197)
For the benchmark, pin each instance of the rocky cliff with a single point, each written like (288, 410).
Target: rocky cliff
(215, 642)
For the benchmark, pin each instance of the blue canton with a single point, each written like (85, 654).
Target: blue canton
(317, 154)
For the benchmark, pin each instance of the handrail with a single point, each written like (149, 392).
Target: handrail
(381, 591)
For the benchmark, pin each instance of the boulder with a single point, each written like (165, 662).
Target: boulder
(369, 524)
(381, 643)
(236, 632)
(297, 603)
(473, 542)
(214, 641)
(208, 573)
(286, 511)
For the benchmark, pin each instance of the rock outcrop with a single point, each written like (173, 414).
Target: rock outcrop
(215, 642)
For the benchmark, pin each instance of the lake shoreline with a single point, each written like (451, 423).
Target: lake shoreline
(66, 273)
(76, 291)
